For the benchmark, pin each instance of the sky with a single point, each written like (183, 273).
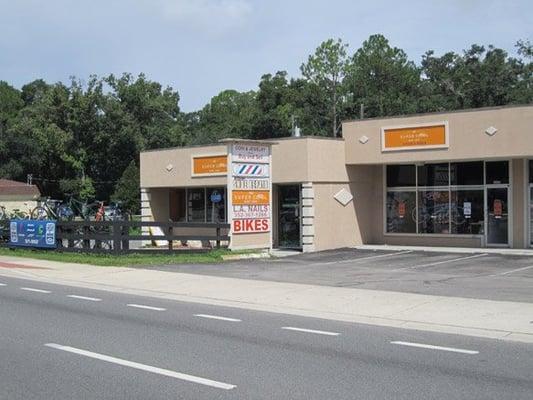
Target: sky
(201, 47)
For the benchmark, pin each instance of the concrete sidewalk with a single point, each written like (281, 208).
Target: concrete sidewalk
(474, 317)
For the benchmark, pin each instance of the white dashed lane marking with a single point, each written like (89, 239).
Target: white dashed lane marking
(326, 333)
(29, 289)
(3, 284)
(217, 317)
(143, 367)
(146, 307)
(74, 296)
(432, 347)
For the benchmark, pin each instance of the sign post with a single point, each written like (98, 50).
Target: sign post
(249, 193)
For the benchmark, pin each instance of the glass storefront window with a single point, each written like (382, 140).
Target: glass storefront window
(433, 175)
(433, 211)
(466, 173)
(449, 198)
(196, 205)
(216, 204)
(401, 212)
(401, 176)
(467, 211)
(497, 172)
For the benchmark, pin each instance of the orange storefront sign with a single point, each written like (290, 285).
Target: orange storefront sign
(255, 197)
(419, 137)
(210, 165)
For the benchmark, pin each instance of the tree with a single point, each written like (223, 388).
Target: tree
(326, 68)
(480, 77)
(228, 114)
(383, 79)
(127, 190)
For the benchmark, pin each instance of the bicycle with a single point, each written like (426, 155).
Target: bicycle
(51, 209)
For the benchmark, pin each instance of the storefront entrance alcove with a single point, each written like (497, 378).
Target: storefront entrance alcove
(289, 216)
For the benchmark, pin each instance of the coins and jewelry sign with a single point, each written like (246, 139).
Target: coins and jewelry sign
(250, 185)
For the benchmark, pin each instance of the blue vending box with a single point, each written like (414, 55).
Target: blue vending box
(32, 233)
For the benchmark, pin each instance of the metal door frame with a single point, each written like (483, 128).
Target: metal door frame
(506, 186)
(299, 186)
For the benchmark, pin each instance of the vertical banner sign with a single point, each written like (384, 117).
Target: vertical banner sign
(250, 185)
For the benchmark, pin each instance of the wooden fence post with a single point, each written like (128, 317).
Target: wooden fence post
(86, 244)
(169, 232)
(116, 236)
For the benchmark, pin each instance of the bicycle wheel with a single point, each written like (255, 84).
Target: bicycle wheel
(39, 213)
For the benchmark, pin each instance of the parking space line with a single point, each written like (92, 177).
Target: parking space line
(441, 262)
(74, 296)
(29, 289)
(513, 270)
(366, 258)
(217, 317)
(292, 328)
(143, 367)
(146, 307)
(432, 347)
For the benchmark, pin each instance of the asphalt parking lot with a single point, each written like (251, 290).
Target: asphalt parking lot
(473, 275)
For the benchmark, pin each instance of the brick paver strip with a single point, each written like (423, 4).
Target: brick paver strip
(21, 266)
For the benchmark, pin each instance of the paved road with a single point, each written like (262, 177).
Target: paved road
(59, 342)
(481, 276)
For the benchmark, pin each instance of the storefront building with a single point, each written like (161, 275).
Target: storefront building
(444, 179)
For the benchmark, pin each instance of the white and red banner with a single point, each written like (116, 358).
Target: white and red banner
(250, 225)
(250, 211)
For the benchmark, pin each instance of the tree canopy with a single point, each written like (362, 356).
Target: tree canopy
(83, 138)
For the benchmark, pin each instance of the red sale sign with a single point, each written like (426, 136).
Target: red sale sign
(251, 225)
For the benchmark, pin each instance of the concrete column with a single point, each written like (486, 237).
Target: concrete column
(308, 217)
(146, 212)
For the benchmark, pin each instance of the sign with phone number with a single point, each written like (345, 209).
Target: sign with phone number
(32, 233)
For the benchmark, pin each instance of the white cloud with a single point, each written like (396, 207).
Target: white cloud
(208, 16)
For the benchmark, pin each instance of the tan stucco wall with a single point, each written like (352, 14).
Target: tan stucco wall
(154, 163)
(289, 161)
(335, 225)
(467, 136)
(159, 204)
(250, 241)
(294, 160)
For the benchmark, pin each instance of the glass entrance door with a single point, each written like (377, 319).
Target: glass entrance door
(289, 216)
(498, 216)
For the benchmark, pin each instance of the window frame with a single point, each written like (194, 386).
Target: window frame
(449, 188)
(205, 189)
